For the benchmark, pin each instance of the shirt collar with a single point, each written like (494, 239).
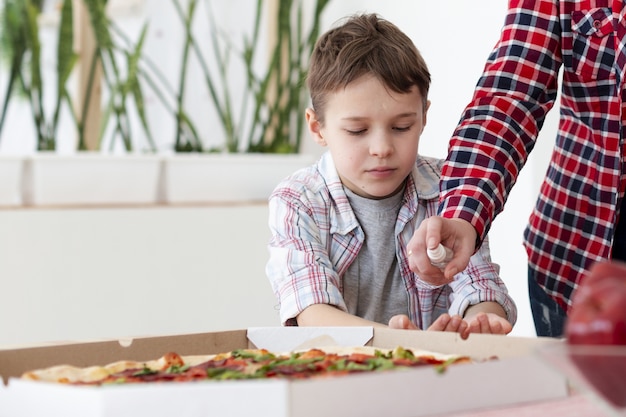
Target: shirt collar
(423, 183)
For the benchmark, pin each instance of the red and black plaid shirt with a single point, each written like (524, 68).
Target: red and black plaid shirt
(573, 222)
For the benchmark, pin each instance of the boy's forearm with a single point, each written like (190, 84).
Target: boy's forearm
(327, 315)
(485, 307)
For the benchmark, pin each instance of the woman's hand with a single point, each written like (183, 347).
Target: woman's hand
(456, 234)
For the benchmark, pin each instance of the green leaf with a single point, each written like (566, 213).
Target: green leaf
(99, 23)
(177, 369)
(13, 46)
(226, 374)
(144, 371)
(255, 356)
(66, 58)
(134, 85)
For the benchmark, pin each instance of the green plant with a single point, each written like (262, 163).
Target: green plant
(21, 39)
(270, 115)
(270, 118)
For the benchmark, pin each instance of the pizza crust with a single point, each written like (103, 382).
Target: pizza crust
(74, 374)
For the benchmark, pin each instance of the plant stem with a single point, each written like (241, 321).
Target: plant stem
(197, 146)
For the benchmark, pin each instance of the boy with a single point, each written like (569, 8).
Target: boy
(340, 228)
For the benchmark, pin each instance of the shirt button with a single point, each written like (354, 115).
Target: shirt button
(597, 24)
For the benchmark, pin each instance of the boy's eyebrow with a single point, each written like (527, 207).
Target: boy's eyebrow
(399, 116)
(407, 114)
(354, 118)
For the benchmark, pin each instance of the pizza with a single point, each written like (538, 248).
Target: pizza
(248, 364)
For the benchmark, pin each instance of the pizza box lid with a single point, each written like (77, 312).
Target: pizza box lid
(518, 376)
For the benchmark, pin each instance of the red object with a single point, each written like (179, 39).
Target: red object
(598, 312)
(597, 320)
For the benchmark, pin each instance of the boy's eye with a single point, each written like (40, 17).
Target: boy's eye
(356, 131)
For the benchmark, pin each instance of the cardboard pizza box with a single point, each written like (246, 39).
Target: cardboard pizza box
(517, 376)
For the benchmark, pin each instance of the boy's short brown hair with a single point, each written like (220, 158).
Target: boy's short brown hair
(365, 44)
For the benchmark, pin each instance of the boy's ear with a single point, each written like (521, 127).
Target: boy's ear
(425, 113)
(315, 127)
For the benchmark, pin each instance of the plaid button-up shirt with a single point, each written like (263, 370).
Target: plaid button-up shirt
(316, 237)
(572, 224)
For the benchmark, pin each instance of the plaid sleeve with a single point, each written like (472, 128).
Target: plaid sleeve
(299, 267)
(499, 126)
(480, 282)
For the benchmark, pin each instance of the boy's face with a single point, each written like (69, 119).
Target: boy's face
(373, 135)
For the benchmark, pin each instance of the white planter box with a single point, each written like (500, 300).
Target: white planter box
(91, 179)
(11, 172)
(200, 178)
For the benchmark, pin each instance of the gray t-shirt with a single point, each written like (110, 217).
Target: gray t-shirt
(372, 286)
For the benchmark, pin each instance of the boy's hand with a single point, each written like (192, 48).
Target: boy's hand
(488, 323)
(448, 323)
(401, 321)
(456, 234)
(444, 323)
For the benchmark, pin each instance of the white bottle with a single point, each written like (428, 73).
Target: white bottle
(440, 256)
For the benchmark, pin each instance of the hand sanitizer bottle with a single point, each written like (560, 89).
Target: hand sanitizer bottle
(440, 256)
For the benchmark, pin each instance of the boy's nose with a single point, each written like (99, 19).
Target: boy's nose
(380, 146)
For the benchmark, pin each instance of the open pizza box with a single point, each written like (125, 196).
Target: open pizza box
(517, 376)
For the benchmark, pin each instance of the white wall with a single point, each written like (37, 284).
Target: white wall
(70, 274)
(94, 273)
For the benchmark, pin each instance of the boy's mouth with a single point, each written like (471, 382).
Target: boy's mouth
(381, 171)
